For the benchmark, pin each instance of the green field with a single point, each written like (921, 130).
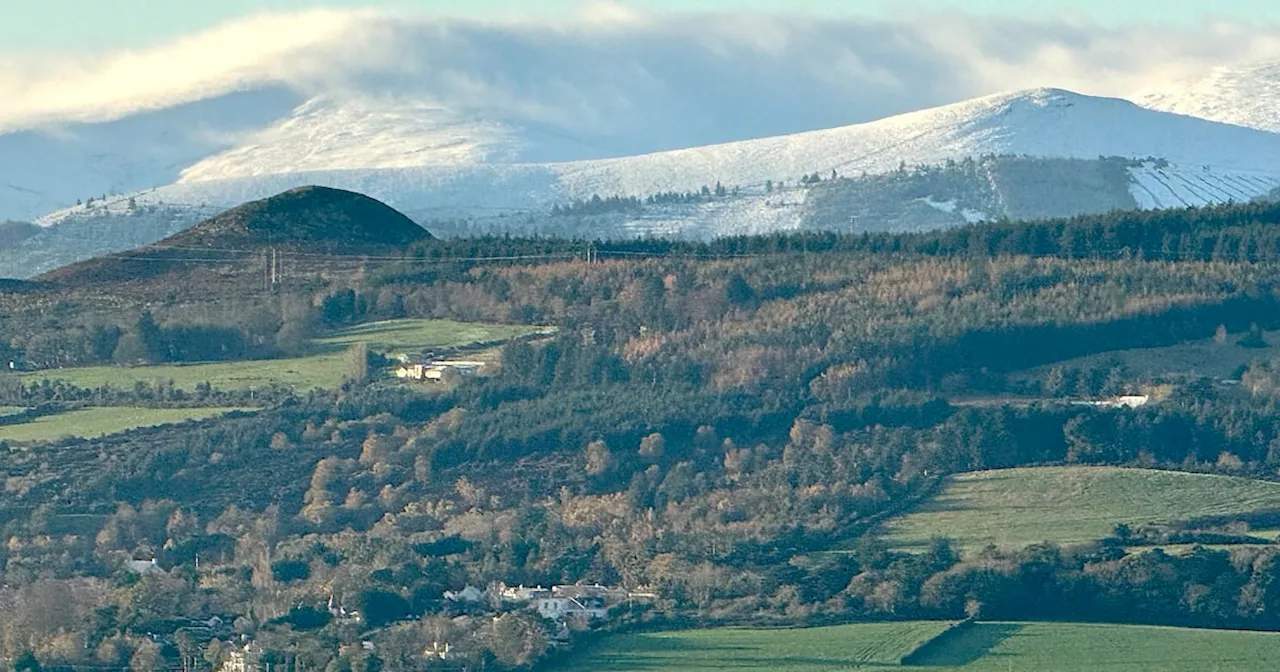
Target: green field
(10, 410)
(863, 646)
(393, 336)
(1018, 507)
(985, 647)
(1065, 647)
(323, 370)
(90, 423)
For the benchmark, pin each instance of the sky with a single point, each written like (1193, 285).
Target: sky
(95, 25)
(623, 76)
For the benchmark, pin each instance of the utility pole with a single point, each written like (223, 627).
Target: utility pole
(271, 271)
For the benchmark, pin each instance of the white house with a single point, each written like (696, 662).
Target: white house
(563, 608)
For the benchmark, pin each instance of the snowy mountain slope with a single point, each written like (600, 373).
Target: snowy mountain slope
(330, 133)
(1245, 96)
(1041, 123)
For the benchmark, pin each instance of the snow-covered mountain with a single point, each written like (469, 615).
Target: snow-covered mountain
(441, 168)
(455, 171)
(1241, 95)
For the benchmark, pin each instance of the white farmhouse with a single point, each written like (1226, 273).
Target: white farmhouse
(564, 608)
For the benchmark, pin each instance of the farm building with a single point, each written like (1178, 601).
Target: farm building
(439, 370)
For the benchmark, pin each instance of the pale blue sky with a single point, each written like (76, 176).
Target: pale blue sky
(78, 25)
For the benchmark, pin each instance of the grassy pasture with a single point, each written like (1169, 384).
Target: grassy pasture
(1068, 647)
(324, 369)
(1065, 505)
(984, 647)
(90, 423)
(392, 336)
(863, 646)
(10, 410)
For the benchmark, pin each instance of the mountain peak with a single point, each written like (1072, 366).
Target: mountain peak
(304, 217)
(308, 219)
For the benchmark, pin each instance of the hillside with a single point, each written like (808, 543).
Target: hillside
(1242, 95)
(94, 232)
(312, 220)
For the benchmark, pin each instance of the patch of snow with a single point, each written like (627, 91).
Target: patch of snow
(948, 207)
(974, 216)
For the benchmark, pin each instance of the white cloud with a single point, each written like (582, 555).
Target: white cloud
(262, 49)
(624, 81)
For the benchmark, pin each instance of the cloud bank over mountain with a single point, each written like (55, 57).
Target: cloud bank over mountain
(615, 81)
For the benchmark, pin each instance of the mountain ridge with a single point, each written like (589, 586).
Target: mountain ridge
(487, 185)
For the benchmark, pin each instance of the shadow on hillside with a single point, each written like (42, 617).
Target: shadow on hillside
(963, 645)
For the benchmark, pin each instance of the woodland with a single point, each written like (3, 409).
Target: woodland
(725, 425)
